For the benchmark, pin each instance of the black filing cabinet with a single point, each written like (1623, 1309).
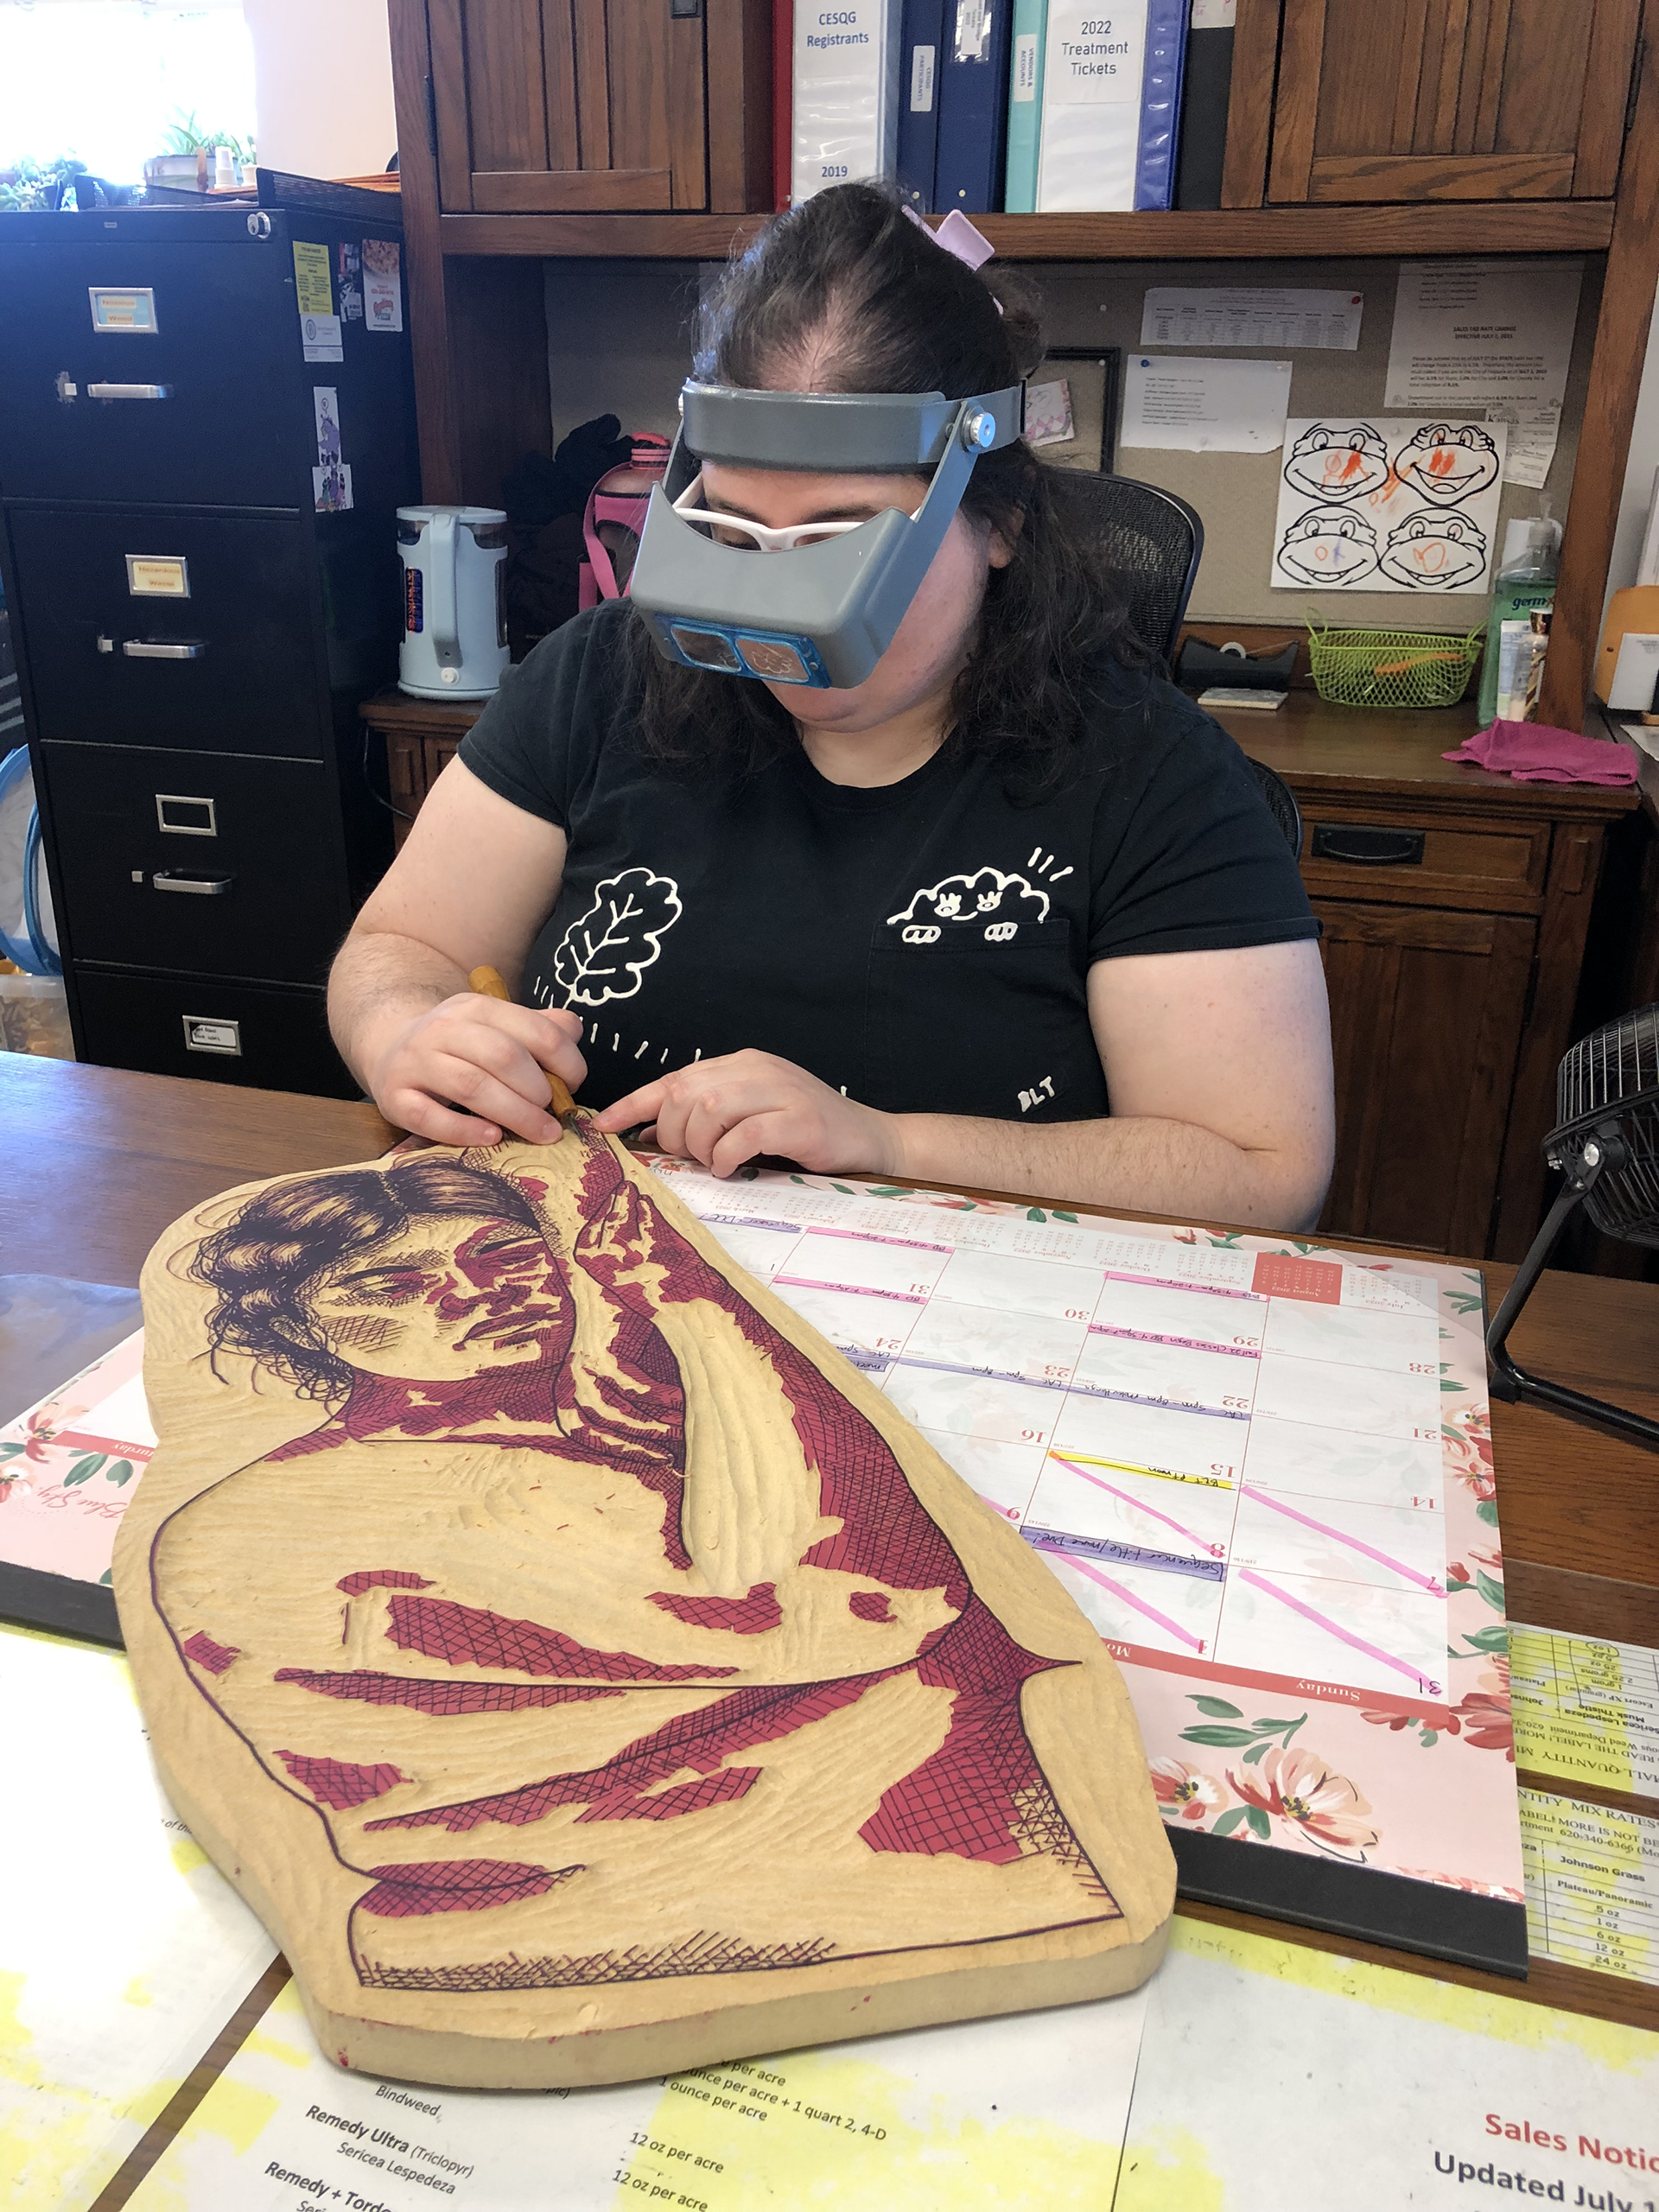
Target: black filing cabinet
(198, 475)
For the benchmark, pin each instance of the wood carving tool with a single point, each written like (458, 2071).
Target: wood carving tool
(489, 984)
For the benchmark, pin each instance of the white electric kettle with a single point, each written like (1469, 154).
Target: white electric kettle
(455, 616)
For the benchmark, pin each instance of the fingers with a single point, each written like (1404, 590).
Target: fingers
(424, 1117)
(547, 1036)
(756, 1133)
(641, 1105)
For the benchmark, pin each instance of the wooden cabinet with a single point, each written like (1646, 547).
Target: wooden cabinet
(572, 106)
(1426, 1011)
(422, 737)
(1455, 907)
(1450, 99)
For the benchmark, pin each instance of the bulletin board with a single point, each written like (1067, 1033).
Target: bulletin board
(621, 334)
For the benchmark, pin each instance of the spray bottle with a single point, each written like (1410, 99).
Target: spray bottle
(1525, 588)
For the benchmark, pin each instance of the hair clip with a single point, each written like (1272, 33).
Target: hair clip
(958, 237)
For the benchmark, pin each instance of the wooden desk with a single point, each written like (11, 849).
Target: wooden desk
(107, 1160)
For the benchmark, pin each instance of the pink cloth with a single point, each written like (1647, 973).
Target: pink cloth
(1533, 753)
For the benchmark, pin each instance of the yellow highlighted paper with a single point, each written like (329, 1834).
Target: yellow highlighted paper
(985, 2117)
(1270, 2072)
(1585, 1710)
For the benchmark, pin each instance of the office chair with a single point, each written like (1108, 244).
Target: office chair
(1281, 803)
(1150, 540)
(1153, 543)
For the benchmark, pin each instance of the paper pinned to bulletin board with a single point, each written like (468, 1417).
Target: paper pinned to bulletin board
(1388, 506)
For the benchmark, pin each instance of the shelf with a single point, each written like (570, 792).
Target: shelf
(1255, 233)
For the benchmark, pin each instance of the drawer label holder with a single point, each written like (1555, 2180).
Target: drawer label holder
(157, 575)
(209, 1032)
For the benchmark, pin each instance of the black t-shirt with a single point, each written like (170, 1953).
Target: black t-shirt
(922, 946)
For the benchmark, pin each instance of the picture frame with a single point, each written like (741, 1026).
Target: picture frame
(1091, 377)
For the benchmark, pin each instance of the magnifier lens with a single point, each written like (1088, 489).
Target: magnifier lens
(707, 649)
(772, 658)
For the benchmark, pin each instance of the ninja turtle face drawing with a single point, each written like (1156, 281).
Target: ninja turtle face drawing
(1447, 462)
(1327, 546)
(1435, 552)
(1338, 464)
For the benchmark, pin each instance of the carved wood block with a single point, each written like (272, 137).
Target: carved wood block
(577, 1664)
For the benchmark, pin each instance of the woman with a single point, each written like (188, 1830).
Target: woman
(1010, 912)
(587, 1594)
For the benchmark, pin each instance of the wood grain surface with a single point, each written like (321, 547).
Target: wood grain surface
(733, 1721)
(1579, 1509)
(1203, 234)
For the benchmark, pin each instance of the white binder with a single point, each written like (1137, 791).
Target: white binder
(846, 69)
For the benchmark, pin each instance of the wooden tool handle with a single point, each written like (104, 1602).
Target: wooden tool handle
(488, 984)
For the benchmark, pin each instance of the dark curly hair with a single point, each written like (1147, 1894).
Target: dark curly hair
(263, 1261)
(848, 294)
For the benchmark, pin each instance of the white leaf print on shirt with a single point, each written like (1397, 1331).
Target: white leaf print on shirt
(605, 954)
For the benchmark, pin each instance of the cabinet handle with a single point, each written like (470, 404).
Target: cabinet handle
(128, 392)
(141, 648)
(182, 878)
(1367, 845)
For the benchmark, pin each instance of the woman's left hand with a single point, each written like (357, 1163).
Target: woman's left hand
(723, 1111)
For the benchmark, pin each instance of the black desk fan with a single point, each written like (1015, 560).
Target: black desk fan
(1605, 1142)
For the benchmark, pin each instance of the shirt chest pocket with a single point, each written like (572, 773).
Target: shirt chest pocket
(987, 1017)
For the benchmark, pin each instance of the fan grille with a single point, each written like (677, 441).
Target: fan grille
(1612, 1076)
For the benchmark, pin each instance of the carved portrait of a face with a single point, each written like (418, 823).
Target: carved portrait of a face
(1338, 462)
(577, 1592)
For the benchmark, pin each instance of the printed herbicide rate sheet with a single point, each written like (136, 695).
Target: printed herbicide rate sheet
(1026, 2111)
(1263, 1470)
(1585, 1709)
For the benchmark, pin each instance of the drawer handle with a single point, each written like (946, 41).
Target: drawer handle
(184, 878)
(1367, 846)
(129, 390)
(141, 648)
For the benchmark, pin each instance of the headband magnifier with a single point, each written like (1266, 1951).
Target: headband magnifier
(822, 612)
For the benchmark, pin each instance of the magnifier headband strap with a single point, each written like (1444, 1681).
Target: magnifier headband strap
(844, 431)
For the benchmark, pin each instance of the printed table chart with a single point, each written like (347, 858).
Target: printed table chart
(1592, 1885)
(1585, 1709)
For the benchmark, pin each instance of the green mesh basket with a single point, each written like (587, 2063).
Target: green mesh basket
(1391, 667)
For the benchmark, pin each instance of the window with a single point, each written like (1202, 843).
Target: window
(107, 80)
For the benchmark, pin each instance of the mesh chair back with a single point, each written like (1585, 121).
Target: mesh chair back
(1281, 803)
(1151, 541)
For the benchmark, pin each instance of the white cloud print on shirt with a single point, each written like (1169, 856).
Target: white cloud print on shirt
(605, 954)
(994, 903)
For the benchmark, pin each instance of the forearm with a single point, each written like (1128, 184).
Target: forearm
(1153, 1166)
(380, 981)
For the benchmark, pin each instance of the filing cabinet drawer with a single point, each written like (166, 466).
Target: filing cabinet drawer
(252, 1034)
(161, 365)
(146, 627)
(207, 864)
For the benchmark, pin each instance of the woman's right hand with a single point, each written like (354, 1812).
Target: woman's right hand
(470, 1068)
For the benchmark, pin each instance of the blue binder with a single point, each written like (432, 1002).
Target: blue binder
(920, 56)
(1160, 103)
(973, 106)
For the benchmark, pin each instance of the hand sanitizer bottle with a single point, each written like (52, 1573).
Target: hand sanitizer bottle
(1525, 586)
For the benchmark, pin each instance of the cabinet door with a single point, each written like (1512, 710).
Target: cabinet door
(566, 105)
(1427, 1009)
(1451, 99)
